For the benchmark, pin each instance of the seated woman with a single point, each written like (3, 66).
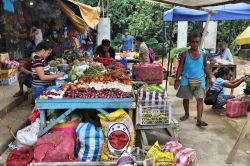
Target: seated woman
(222, 80)
(41, 69)
(24, 77)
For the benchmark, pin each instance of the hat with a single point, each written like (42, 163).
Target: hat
(125, 30)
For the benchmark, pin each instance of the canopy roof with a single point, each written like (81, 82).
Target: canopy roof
(198, 3)
(244, 37)
(239, 11)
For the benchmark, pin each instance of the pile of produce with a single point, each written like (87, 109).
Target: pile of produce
(57, 61)
(93, 93)
(92, 80)
(86, 68)
(9, 64)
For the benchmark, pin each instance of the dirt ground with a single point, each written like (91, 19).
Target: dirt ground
(214, 142)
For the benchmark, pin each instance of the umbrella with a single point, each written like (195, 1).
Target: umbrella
(244, 37)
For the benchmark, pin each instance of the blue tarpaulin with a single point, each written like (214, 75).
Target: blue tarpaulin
(239, 11)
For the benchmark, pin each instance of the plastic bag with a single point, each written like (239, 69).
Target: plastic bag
(183, 156)
(21, 157)
(89, 142)
(28, 135)
(55, 147)
(126, 159)
(33, 115)
(161, 158)
(119, 134)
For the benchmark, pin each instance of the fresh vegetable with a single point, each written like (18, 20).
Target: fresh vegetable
(93, 93)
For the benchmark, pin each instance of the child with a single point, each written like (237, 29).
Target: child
(222, 80)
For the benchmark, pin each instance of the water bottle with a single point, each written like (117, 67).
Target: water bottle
(65, 32)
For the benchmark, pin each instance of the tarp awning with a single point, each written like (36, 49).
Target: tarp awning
(244, 37)
(240, 11)
(89, 16)
(197, 3)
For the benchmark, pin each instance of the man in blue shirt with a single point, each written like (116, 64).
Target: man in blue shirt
(127, 42)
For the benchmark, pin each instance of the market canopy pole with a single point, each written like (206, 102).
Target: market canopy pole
(210, 12)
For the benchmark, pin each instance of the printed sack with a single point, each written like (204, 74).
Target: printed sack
(161, 158)
(119, 134)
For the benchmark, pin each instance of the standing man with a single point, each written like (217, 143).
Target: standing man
(192, 69)
(225, 52)
(127, 42)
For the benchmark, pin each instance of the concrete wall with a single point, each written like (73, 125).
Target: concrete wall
(103, 29)
(182, 34)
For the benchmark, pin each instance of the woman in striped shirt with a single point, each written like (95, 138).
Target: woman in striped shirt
(41, 69)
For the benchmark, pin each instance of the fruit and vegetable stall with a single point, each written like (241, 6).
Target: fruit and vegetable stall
(91, 86)
(63, 130)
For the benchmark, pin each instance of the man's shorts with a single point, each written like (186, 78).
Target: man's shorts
(185, 92)
(27, 80)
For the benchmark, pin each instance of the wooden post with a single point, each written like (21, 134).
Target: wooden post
(205, 28)
(239, 140)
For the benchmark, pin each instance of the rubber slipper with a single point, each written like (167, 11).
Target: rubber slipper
(18, 94)
(201, 124)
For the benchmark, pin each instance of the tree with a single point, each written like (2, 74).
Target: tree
(140, 17)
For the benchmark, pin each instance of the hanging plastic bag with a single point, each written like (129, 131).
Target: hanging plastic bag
(21, 157)
(119, 134)
(161, 158)
(89, 142)
(28, 135)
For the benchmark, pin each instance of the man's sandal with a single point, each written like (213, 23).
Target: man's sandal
(201, 124)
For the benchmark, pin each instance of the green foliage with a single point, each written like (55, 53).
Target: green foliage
(89, 2)
(141, 18)
(176, 51)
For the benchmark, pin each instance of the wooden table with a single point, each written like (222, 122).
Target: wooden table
(215, 67)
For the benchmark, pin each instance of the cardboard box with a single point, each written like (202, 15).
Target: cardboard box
(4, 57)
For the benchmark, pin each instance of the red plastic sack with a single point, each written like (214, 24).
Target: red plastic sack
(21, 157)
(237, 108)
(55, 147)
(33, 115)
(150, 73)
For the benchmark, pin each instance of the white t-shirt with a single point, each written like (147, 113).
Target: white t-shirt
(226, 55)
(38, 37)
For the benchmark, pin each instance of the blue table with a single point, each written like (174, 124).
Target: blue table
(72, 104)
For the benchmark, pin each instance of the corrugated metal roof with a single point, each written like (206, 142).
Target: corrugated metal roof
(199, 3)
